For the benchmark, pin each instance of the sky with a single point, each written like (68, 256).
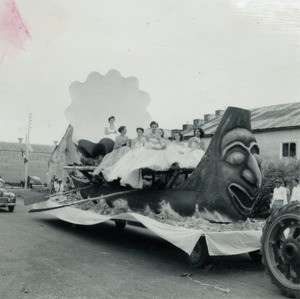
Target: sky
(191, 58)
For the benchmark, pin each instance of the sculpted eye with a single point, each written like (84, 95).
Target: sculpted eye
(235, 158)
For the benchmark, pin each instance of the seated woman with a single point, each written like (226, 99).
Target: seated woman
(164, 142)
(177, 138)
(121, 147)
(140, 140)
(153, 138)
(177, 142)
(195, 150)
(110, 130)
(120, 168)
(196, 142)
(178, 149)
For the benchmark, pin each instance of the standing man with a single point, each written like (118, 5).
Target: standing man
(296, 191)
(279, 196)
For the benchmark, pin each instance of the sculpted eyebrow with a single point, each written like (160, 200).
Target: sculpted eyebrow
(236, 135)
(229, 146)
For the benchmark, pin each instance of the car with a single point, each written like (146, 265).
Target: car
(33, 182)
(7, 199)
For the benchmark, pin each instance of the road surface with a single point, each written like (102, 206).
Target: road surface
(43, 257)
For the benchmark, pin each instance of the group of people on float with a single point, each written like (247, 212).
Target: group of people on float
(151, 150)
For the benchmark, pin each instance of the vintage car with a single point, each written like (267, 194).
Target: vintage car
(7, 199)
(33, 182)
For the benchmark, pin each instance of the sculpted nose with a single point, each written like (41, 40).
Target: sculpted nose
(252, 173)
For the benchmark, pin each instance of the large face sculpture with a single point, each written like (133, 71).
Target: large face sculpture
(228, 176)
(241, 166)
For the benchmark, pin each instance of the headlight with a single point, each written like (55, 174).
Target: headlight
(11, 197)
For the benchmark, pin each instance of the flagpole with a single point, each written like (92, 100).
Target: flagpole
(27, 149)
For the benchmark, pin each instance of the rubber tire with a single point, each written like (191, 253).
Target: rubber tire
(120, 224)
(11, 208)
(291, 211)
(199, 256)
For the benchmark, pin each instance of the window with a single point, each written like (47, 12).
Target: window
(289, 149)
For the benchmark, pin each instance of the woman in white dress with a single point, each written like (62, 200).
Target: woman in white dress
(177, 138)
(196, 141)
(121, 147)
(195, 150)
(140, 140)
(121, 167)
(177, 149)
(110, 131)
(177, 143)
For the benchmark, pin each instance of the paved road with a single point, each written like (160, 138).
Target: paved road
(42, 257)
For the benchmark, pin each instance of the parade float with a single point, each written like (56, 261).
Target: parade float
(203, 211)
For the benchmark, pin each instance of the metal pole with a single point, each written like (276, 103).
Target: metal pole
(27, 149)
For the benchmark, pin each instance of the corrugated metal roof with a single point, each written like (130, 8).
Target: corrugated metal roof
(265, 118)
(34, 148)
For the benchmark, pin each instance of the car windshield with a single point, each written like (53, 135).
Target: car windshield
(2, 185)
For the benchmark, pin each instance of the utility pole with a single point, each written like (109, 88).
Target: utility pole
(27, 149)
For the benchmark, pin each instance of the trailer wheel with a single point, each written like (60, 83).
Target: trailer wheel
(120, 224)
(199, 256)
(280, 248)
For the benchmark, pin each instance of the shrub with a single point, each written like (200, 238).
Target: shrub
(271, 172)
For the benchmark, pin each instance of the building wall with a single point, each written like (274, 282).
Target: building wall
(12, 167)
(270, 144)
(65, 153)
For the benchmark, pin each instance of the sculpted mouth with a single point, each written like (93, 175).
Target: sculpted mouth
(242, 200)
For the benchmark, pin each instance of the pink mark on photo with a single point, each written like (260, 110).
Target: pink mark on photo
(13, 31)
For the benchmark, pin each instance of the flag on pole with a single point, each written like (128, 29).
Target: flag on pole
(24, 157)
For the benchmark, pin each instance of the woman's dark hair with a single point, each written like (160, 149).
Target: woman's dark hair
(163, 133)
(153, 123)
(121, 129)
(111, 117)
(180, 135)
(200, 130)
(140, 129)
